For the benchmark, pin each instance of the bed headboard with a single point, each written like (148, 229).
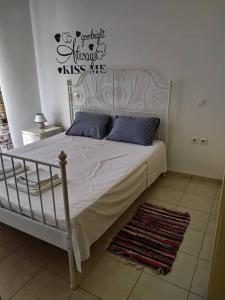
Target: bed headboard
(132, 92)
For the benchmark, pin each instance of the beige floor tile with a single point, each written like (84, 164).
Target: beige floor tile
(198, 219)
(15, 272)
(162, 203)
(194, 297)
(150, 287)
(182, 271)
(80, 294)
(154, 185)
(113, 256)
(192, 242)
(200, 280)
(167, 195)
(98, 250)
(37, 252)
(4, 294)
(207, 247)
(211, 228)
(133, 264)
(44, 286)
(111, 279)
(197, 203)
(59, 265)
(146, 195)
(3, 253)
(202, 188)
(174, 182)
(11, 238)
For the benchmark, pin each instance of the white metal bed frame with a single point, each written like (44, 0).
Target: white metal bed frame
(116, 92)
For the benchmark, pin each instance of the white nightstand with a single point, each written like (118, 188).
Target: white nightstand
(36, 134)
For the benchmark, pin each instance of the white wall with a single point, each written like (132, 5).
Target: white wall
(182, 40)
(18, 76)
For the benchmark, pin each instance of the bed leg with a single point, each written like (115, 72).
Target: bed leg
(73, 283)
(164, 174)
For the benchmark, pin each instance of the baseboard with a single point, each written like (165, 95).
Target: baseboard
(187, 175)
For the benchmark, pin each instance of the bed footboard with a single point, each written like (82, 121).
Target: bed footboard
(17, 182)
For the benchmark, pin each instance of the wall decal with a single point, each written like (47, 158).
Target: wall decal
(57, 37)
(78, 33)
(78, 51)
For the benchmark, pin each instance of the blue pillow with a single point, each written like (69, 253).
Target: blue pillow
(134, 130)
(89, 125)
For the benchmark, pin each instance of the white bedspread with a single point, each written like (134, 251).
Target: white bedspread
(104, 178)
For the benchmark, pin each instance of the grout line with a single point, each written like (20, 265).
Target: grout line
(197, 229)
(188, 295)
(57, 275)
(166, 281)
(30, 279)
(188, 253)
(202, 297)
(86, 291)
(211, 198)
(68, 280)
(204, 212)
(193, 177)
(7, 255)
(193, 276)
(31, 262)
(188, 185)
(196, 295)
(180, 199)
(198, 259)
(91, 269)
(42, 268)
(135, 284)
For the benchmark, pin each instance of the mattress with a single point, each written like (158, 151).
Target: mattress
(104, 178)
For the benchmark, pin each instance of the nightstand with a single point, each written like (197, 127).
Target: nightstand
(36, 134)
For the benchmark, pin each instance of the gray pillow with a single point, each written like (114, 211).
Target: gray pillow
(134, 130)
(89, 125)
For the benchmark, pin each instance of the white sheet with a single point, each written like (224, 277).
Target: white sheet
(104, 178)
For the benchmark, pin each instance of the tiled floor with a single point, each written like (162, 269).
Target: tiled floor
(31, 269)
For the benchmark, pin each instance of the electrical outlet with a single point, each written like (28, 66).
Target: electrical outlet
(195, 140)
(203, 141)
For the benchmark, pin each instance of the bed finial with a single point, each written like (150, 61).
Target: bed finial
(62, 158)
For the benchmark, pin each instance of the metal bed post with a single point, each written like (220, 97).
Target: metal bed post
(69, 87)
(62, 163)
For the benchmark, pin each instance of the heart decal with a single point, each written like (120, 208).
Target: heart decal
(101, 50)
(60, 70)
(67, 38)
(91, 46)
(57, 37)
(78, 33)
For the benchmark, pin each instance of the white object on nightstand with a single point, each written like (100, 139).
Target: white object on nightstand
(36, 134)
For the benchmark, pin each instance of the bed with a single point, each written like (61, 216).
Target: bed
(101, 179)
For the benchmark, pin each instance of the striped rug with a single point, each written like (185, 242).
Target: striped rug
(152, 237)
